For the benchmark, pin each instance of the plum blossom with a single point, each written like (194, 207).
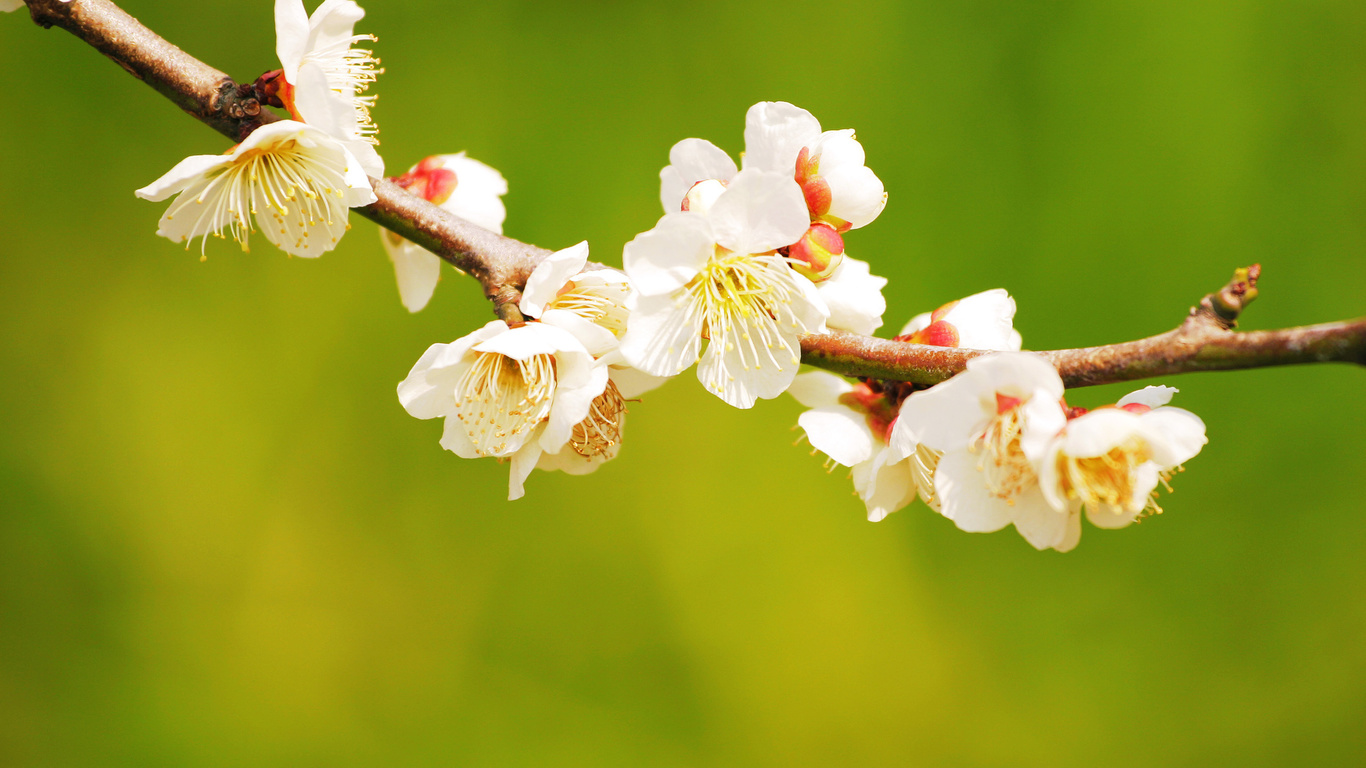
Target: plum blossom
(839, 189)
(1110, 460)
(462, 185)
(298, 183)
(787, 140)
(779, 137)
(846, 418)
(325, 77)
(983, 320)
(993, 424)
(512, 393)
(717, 275)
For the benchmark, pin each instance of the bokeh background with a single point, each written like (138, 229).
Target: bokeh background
(224, 543)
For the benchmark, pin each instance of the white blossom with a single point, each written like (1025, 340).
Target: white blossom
(325, 76)
(459, 184)
(717, 276)
(1109, 461)
(838, 187)
(993, 424)
(296, 181)
(508, 393)
(981, 321)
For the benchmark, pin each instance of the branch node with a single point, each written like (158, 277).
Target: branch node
(1225, 305)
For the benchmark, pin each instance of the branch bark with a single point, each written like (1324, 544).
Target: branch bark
(1204, 342)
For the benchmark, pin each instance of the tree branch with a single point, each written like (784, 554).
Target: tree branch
(1204, 342)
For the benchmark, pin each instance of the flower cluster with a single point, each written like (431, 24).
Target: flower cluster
(997, 445)
(550, 393)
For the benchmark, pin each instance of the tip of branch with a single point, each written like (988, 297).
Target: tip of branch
(1225, 305)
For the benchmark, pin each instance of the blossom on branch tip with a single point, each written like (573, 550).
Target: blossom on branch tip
(993, 424)
(513, 393)
(718, 276)
(296, 181)
(325, 77)
(459, 184)
(1110, 460)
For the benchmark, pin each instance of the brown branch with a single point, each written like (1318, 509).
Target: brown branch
(1204, 342)
(500, 264)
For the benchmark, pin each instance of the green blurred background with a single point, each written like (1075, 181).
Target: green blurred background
(224, 543)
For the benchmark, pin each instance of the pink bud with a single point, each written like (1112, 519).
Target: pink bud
(819, 253)
(814, 188)
(430, 180)
(940, 333)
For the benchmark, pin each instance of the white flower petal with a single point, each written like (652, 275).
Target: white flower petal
(455, 439)
(856, 194)
(185, 173)
(579, 382)
(1096, 433)
(775, 133)
(985, 321)
(477, 197)
(944, 417)
(550, 276)
(523, 461)
(840, 433)
(1017, 374)
(332, 24)
(691, 161)
(759, 212)
(1177, 435)
(596, 339)
(854, 297)
(1072, 534)
(291, 36)
(964, 495)
(664, 259)
(1107, 516)
(724, 373)
(918, 323)
(1152, 396)
(661, 337)
(1044, 418)
(416, 269)
(819, 389)
(1038, 522)
(889, 486)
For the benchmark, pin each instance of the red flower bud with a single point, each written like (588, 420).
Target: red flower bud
(818, 253)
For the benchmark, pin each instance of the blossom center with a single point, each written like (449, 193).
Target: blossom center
(744, 301)
(350, 71)
(923, 464)
(1001, 460)
(1106, 479)
(499, 400)
(299, 186)
(600, 431)
(600, 303)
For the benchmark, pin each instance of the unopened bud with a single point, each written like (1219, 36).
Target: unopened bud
(703, 194)
(430, 180)
(940, 333)
(819, 253)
